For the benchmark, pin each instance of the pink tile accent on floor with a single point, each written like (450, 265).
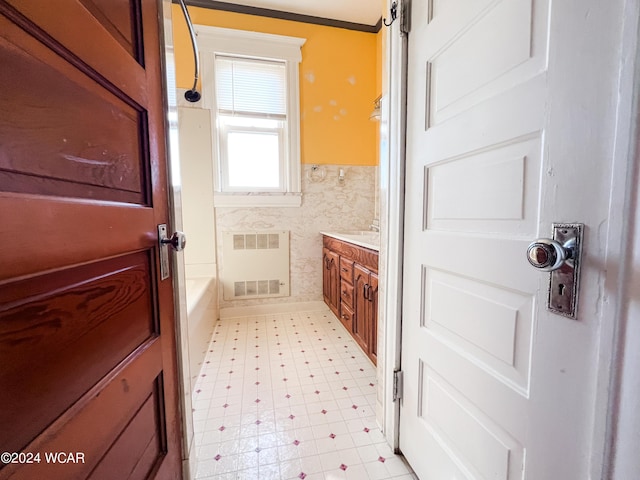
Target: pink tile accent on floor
(309, 365)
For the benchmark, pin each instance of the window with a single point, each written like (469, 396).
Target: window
(251, 86)
(251, 123)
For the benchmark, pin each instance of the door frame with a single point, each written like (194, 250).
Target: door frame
(617, 265)
(392, 174)
(619, 383)
(178, 277)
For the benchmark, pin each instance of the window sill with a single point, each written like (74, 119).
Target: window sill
(250, 200)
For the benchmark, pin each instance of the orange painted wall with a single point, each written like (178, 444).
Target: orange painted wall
(339, 81)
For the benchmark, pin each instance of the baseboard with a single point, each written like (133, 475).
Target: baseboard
(272, 308)
(190, 465)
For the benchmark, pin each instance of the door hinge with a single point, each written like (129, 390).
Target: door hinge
(405, 17)
(397, 385)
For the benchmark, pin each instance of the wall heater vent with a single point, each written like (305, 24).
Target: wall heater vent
(255, 264)
(254, 288)
(252, 241)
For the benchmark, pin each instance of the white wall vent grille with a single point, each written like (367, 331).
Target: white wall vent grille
(255, 264)
(251, 241)
(254, 288)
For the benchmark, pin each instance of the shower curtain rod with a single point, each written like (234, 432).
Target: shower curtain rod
(192, 95)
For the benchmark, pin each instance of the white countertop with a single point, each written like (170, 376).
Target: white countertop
(363, 238)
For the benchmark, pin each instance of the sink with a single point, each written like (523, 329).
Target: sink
(362, 237)
(363, 233)
(365, 238)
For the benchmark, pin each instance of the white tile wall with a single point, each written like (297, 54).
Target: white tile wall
(326, 205)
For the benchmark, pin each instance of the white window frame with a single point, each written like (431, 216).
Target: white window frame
(214, 41)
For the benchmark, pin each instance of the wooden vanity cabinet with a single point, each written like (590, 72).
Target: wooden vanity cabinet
(365, 330)
(331, 280)
(350, 273)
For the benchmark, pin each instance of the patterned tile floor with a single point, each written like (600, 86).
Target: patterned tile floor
(289, 396)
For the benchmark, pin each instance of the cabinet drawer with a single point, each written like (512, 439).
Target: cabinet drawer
(346, 269)
(346, 293)
(346, 316)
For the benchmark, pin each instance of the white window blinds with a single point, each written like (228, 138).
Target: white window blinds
(251, 87)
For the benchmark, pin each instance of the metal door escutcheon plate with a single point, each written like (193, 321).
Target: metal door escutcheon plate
(564, 282)
(164, 252)
(177, 241)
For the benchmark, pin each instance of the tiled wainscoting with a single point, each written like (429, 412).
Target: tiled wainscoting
(289, 396)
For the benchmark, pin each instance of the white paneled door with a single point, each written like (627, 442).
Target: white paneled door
(510, 127)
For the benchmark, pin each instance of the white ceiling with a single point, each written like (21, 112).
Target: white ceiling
(367, 12)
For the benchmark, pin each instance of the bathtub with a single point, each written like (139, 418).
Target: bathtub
(202, 312)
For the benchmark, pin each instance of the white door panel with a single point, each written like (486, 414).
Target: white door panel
(510, 124)
(490, 326)
(487, 191)
(509, 117)
(471, 60)
(462, 427)
(479, 257)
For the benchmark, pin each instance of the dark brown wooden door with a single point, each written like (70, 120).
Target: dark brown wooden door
(87, 337)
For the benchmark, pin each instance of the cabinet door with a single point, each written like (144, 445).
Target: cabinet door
(361, 303)
(373, 318)
(331, 280)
